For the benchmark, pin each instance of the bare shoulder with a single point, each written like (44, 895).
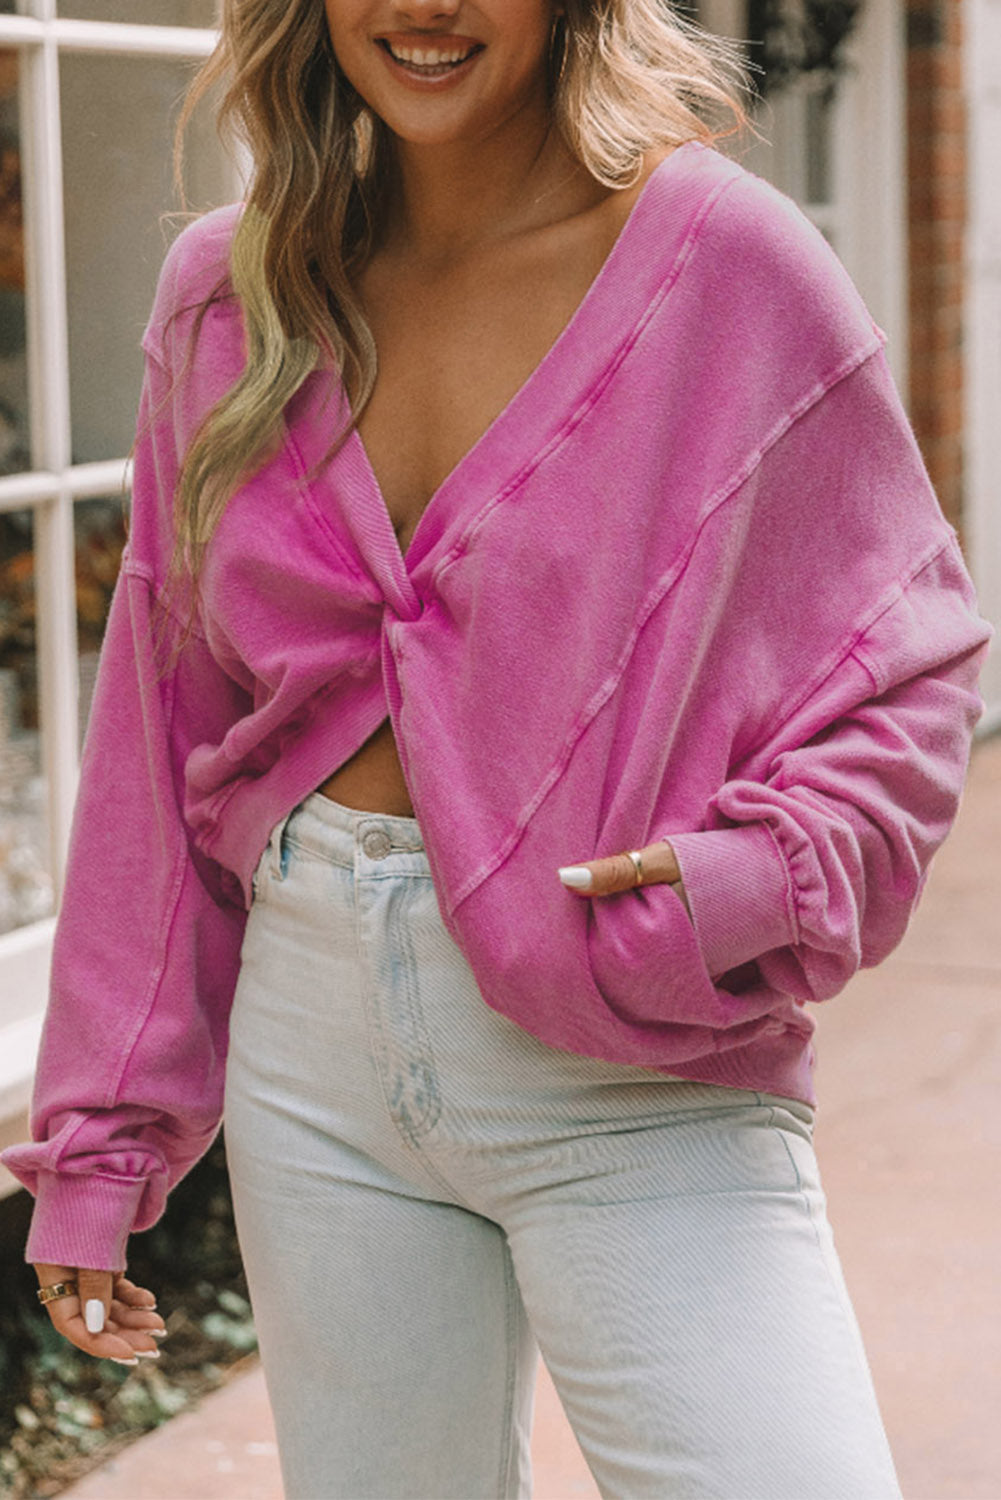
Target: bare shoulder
(620, 202)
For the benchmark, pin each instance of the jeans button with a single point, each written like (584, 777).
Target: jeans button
(377, 843)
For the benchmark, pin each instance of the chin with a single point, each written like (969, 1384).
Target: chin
(428, 131)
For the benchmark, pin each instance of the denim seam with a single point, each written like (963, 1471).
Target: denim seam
(837, 1288)
(376, 1033)
(508, 1435)
(346, 862)
(380, 1053)
(418, 1028)
(322, 856)
(800, 1190)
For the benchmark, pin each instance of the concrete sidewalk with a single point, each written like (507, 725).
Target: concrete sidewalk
(909, 1138)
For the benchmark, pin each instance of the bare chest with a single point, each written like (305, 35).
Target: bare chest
(453, 351)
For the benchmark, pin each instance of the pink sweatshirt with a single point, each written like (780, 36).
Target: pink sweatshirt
(692, 583)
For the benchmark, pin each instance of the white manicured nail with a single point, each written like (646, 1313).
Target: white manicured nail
(577, 876)
(147, 1354)
(93, 1315)
(116, 1361)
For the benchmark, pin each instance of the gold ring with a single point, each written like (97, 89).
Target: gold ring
(634, 855)
(55, 1290)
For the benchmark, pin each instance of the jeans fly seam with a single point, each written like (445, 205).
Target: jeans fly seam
(375, 1028)
(432, 1109)
(380, 1051)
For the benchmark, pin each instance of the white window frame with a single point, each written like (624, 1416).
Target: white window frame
(867, 215)
(982, 331)
(51, 489)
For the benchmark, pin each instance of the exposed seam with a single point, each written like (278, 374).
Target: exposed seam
(849, 644)
(156, 978)
(595, 391)
(921, 566)
(792, 910)
(431, 1112)
(653, 600)
(729, 487)
(299, 464)
(147, 1003)
(511, 1291)
(211, 815)
(380, 1050)
(133, 567)
(802, 1196)
(835, 1284)
(856, 655)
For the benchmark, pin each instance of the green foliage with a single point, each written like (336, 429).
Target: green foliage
(61, 1411)
(791, 37)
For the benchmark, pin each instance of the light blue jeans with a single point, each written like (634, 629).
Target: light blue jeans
(426, 1194)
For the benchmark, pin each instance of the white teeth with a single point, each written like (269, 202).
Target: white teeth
(427, 59)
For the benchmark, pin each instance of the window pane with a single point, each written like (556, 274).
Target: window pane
(117, 116)
(819, 186)
(25, 885)
(141, 12)
(13, 365)
(99, 532)
(99, 528)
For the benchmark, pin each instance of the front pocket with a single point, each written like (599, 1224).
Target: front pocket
(259, 877)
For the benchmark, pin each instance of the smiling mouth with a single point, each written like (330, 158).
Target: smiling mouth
(427, 60)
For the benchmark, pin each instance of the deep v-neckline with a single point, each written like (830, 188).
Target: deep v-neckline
(522, 398)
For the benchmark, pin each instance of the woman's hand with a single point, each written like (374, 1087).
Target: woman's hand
(109, 1318)
(617, 872)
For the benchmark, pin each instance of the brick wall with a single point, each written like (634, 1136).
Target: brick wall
(936, 150)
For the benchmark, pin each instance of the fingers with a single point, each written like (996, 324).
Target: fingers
(131, 1295)
(83, 1319)
(109, 1317)
(133, 1313)
(95, 1298)
(617, 872)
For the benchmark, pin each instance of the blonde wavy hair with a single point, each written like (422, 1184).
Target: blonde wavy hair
(625, 76)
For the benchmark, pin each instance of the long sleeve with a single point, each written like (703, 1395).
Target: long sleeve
(128, 1090)
(802, 727)
(816, 855)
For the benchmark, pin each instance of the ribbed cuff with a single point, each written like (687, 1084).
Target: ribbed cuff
(738, 892)
(83, 1219)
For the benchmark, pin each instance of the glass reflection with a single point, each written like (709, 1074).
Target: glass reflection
(25, 883)
(13, 361)
(99, 531)
(118, 115)
(819, 176)
(142, 12)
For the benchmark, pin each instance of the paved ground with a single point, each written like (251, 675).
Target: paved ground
(909, 1137)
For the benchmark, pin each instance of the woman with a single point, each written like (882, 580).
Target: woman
(569, 697)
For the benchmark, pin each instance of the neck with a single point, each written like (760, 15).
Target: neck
(446, 199)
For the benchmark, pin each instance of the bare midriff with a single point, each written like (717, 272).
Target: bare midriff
(372, 779)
